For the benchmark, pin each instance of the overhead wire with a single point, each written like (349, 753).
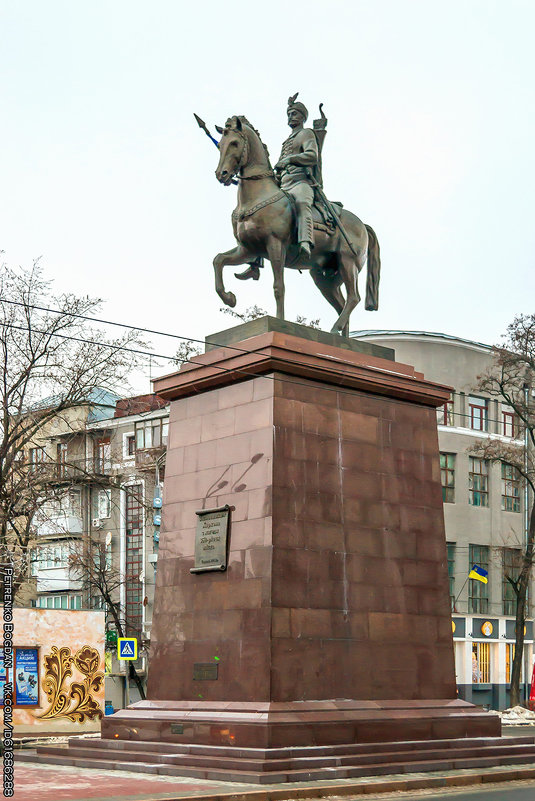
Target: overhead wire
(176, 358)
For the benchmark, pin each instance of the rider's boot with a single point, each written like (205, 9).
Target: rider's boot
(253, 271)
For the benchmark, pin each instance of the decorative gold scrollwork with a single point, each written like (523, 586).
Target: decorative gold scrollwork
(58, 668)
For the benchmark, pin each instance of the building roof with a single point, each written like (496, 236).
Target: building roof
(426, 334)
(139, 404)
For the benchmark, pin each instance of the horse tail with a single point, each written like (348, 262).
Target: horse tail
(374, 271)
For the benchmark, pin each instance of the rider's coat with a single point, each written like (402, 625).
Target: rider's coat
(302, 147)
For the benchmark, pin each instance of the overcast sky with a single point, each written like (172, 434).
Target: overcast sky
(431, 140)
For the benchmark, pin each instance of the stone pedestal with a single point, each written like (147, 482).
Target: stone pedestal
(331, 623)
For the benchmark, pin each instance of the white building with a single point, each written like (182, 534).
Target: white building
(484, 511)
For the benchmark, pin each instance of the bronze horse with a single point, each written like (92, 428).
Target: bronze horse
(263, 224)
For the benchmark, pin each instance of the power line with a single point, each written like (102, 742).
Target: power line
(147, 331)
(176, 358)
(226, 370)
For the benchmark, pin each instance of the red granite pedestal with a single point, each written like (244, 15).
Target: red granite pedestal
(332, 621)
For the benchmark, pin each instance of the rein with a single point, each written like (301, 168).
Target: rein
(242, 215)
(244, 155)
(267, 174)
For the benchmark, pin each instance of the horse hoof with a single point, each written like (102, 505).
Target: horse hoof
(230, 299)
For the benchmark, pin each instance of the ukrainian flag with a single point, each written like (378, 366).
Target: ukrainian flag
(478, 574)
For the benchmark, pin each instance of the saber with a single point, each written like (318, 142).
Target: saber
(328, 205)
(204, 127)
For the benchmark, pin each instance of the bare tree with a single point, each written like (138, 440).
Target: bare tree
(510, 379)
(253, 312)
(52, 362)
(91, 562)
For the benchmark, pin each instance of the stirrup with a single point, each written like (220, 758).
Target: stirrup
(253, 271)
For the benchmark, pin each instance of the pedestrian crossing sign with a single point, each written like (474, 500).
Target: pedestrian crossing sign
(127, 648)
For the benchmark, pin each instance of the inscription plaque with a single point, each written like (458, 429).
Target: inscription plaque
(211, 540)
(177, 728)
(205, 671)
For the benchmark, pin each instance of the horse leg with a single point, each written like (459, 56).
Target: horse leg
(277, 255)
(349, 271)
(329, 286)
(238, 255)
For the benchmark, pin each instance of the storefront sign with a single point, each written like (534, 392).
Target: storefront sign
(483, 627)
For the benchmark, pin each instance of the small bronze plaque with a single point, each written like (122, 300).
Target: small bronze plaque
(177, 728)
(211, 540)
(205, 671)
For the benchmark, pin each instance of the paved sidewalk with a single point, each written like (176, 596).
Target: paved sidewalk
(38, 782)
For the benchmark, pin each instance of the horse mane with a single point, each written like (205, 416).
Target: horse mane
(245, 121)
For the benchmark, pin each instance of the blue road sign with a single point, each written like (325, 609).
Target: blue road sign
(127, 648)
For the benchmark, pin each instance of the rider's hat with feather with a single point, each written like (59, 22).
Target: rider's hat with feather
(297, 105)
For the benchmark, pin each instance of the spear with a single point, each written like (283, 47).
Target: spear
(204, 127)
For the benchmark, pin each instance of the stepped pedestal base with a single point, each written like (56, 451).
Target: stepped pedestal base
(299, 723)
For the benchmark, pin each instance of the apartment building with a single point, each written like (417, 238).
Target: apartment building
(71, 464)
(108, 471)
(484, 511)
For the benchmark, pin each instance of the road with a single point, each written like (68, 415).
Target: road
(512, 791)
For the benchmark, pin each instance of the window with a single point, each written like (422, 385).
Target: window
(52, 556)
(101, 504)
(72, 503)
(61, 459)
(36, 457)
(151, 433)
(445, 414)
(509, 656)
(478, 413)
(509, 427)
(134, 558)
(511, 559)
(102, 453)
(481, 663)
(130, 445)
(478, 482)
(34, 562)
(447, 476)
(478, 592)
(451, 571)
(510, 488)
(59, 602)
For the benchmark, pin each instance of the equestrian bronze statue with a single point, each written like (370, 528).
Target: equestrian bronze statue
(284, 215)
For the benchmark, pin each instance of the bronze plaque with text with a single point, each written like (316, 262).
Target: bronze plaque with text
(211, 540)
(205, 671)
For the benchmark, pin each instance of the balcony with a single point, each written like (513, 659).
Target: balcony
(74, 469)
(58, 523)
(146, 458)
(57, 579)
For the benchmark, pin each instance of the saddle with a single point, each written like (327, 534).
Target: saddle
(322, 219)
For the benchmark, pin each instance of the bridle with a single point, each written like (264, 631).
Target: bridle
(243, 157)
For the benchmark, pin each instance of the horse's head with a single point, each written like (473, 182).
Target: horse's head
(233, 150)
